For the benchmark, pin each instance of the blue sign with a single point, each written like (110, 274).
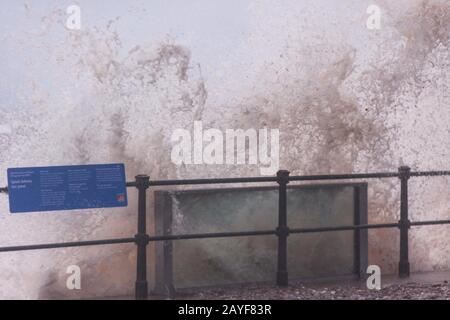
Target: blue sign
(67, 187)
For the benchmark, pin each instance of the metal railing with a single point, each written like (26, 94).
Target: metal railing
(282, 231)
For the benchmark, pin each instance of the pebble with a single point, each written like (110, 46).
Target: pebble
(422, 291)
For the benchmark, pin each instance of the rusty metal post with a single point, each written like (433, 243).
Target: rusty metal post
(404, 223)
(141, 239)
(282, 229)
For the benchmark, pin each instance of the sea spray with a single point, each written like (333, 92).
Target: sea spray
(345, 99)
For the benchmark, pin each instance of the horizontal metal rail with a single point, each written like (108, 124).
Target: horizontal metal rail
(349, 176)
(211, 181)
(67, 244)
(429, 223)
(345, 176)
(217, 235)
(429, 173)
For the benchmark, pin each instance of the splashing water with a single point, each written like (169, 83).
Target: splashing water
(345, 99)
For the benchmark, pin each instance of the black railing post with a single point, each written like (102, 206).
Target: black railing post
(404, 223)
(282, 229)
(141, 239)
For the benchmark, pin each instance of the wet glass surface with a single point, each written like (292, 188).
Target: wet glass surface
(204, 262)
